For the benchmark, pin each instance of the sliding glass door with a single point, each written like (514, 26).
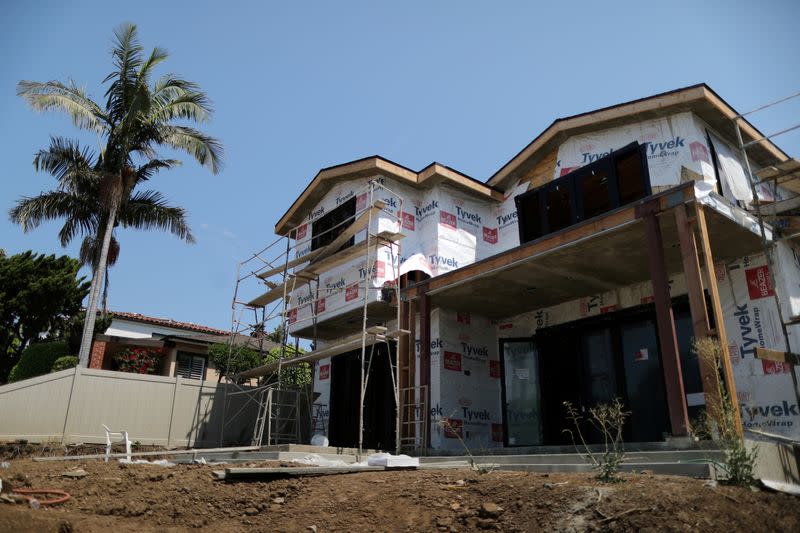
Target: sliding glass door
(521, 393)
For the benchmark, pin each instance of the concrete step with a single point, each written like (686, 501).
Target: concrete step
(673, 456)
(701, 470)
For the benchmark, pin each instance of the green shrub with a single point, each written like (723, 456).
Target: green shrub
(63, 363)
(37, 359)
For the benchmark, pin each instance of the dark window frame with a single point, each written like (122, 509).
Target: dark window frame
(326, 228)
(607, 164)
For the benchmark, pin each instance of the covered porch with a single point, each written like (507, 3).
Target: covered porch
(669, 233)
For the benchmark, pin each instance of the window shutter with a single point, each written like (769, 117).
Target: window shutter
(197, 368)
(190, 366)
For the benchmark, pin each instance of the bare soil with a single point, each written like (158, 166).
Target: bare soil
(148, 498)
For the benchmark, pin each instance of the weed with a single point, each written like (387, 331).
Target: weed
(608, 419)
(445, 424)
(738, 466)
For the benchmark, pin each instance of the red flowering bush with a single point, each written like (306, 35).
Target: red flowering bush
(139, 360)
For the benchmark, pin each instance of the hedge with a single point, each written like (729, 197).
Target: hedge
(37, 359)
(65, 362)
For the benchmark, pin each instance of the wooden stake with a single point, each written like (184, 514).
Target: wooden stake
(719, 318)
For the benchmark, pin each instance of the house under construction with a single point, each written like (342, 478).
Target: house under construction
(440, 308)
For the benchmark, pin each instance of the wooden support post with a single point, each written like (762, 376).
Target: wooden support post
(402, 345)
(697, 304)
(670, 356)
(403, 363)
(425, 355)
(719, 318)
(412, 367)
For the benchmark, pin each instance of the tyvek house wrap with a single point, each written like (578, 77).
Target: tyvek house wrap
(672, 142)
(444, 229)
(465, 382)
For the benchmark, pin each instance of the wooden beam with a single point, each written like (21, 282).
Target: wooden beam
(264, 274)
(719, 317)
(697, 303)
(668, 341)
(337, 348)
(412, 366)
(425, 355)
(778, 356)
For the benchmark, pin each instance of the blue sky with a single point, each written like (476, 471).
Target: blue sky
(302, 85)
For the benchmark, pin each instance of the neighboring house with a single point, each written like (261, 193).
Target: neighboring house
(580, 271)
(184, 345)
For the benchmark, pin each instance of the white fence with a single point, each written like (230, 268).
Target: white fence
(71, 406)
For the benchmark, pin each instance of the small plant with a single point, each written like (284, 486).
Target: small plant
(608, 419)
(65, 362)
(455, 430)
(139, 360)
(739, 464)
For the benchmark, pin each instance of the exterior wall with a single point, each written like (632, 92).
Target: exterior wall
(465, 382)
(71, 406)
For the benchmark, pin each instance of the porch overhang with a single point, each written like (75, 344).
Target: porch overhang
(598, 255)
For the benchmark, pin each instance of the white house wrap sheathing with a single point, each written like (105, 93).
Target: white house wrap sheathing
(465, 382)
(672, 142)
(444, 229)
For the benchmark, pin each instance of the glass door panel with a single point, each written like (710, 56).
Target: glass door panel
(522, 393)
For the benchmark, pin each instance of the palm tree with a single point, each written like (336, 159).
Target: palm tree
(97, 192)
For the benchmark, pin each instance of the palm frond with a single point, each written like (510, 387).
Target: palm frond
(66, 161)
(149, 210)
(205, 149)
(54, 95)
(127, 54)
(146, 171)
(91, 246)
(187, 105)
(157, 55)
(30, 212)
(82, 221)
(169, 85)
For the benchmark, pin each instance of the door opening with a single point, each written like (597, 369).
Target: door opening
(379, 407)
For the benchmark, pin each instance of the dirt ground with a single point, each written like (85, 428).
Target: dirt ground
(149, 498)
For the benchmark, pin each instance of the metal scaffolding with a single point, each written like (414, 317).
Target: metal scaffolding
(786, 175)
(296, 261)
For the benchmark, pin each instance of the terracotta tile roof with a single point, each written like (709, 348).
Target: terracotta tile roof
(168, 322)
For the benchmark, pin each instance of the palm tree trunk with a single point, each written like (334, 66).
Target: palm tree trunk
(91, 308)
(105, 296)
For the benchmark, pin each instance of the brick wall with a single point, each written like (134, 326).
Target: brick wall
(98, 354)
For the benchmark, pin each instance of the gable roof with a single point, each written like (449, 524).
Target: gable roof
(699, 99)
(429, 176)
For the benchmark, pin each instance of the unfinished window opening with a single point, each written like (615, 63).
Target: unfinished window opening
(190, 366)
(618, 179)
(325, 230)
(595, 192)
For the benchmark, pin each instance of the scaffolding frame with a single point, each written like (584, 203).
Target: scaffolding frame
(786, 175)
(287, 265)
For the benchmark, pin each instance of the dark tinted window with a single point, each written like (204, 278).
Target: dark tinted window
(631, 183)
(559, 207)
(594, 191)
(618, 179)
(330, 226)
(531, 223)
